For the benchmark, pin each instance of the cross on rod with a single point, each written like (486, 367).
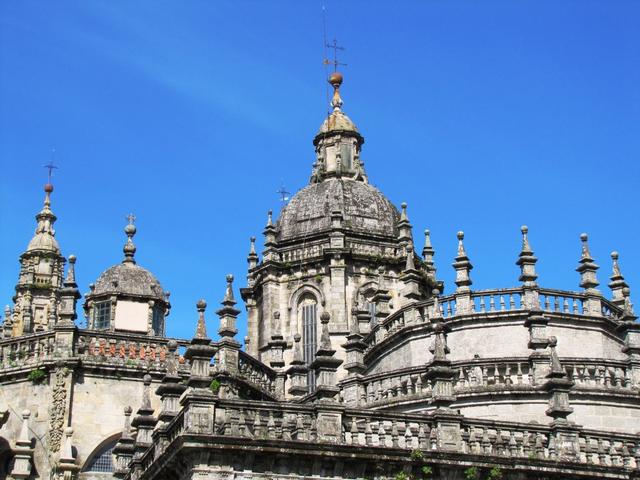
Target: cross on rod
(50, 167)
(335, 61)
(131, 218)
(284, 194)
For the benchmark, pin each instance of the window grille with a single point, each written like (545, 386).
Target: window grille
(309, 338)
(102, 461)
(102, 315)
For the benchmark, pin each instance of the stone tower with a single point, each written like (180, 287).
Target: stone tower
(41, 272)
(339, 247)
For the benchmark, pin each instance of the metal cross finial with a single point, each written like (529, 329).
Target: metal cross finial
(131, 218)
(284, 194)
(50, 166)
(335, 61)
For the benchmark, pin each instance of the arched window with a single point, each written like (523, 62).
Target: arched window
(370, 306)
(308, 312)
(101, 460)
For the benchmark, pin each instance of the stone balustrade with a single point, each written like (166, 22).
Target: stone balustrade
(440, 431)
(123, 349)
(257, 373)
(599, 374)
(487, 302)
(493, 373)
(27, 349)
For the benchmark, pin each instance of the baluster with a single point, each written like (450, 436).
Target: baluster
(565, 305)
(556, 303)
(483, 308)
(408, 436)
(502, 304)
(546, 302)
(395, 434)
(575, 306)
(512, 302)
(354, 434)
(382, 434)
(368, 434)
(492, 304)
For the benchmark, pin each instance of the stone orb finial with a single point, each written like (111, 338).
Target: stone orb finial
(553, 341)
(26, 413)
(324, 317)
(435, 291)
(584, 237)
(72, 259)
(524, 229)
(229, 278)
(297, 337)
(128, 410)
(146, 379)
(48, 187)
(614, 255)
(172, 345)
(460, 235)
(201, 305)
(427, 231)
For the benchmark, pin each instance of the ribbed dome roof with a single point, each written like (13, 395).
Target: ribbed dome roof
(44, 241)
(128, 279)
(337, 122)
(365, 209)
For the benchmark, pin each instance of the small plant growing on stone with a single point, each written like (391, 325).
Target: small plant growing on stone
(36, 376)
(130, 363)
(495, 474)
(401, 476)
(215, 386)
(417, 455)
(427, 471)
(471, 473)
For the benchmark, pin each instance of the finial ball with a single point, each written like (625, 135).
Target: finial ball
(128, 410)
(172, 344)
(584, 237)
(460, 235)
(524, 229)
(130, 229)
(201, 305)
(229, 278)
(335, 79)
(72, 259)
(614, 255)
(427, 232)
(48, 188)
(146, 379)
(404, 205)
(324, 317)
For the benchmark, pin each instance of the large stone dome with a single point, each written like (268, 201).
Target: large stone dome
(365, 209)
(128, 279)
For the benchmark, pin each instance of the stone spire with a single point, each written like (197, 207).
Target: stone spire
(325, 364)
(69, 295)
(252, 258)
(144, 422)
(618, 283)
(129, 248)
(559, 385)
(269, 238)
(587, 268)
(462, 266)
(228, 346)
(44, 234)
(200, 352)
(23, 451)
(298, 370)
(405, 234)
(427, 255)
(527, 261)
(123, 450)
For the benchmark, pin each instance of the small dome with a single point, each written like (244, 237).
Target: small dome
(365, 209)
(337, 122)
(129, 279)
(44, 241)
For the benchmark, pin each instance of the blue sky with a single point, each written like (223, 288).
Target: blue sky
(482, 116)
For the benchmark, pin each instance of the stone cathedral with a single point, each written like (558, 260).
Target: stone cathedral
(358, 363)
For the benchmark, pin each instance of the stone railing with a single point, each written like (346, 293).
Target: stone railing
(123, 349)
(493, 373)
(489, 302)
(441, 431)
(27, 349)
(256, 372)
(598, 374)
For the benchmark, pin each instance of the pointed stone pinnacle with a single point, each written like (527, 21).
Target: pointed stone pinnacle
(201, 328)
